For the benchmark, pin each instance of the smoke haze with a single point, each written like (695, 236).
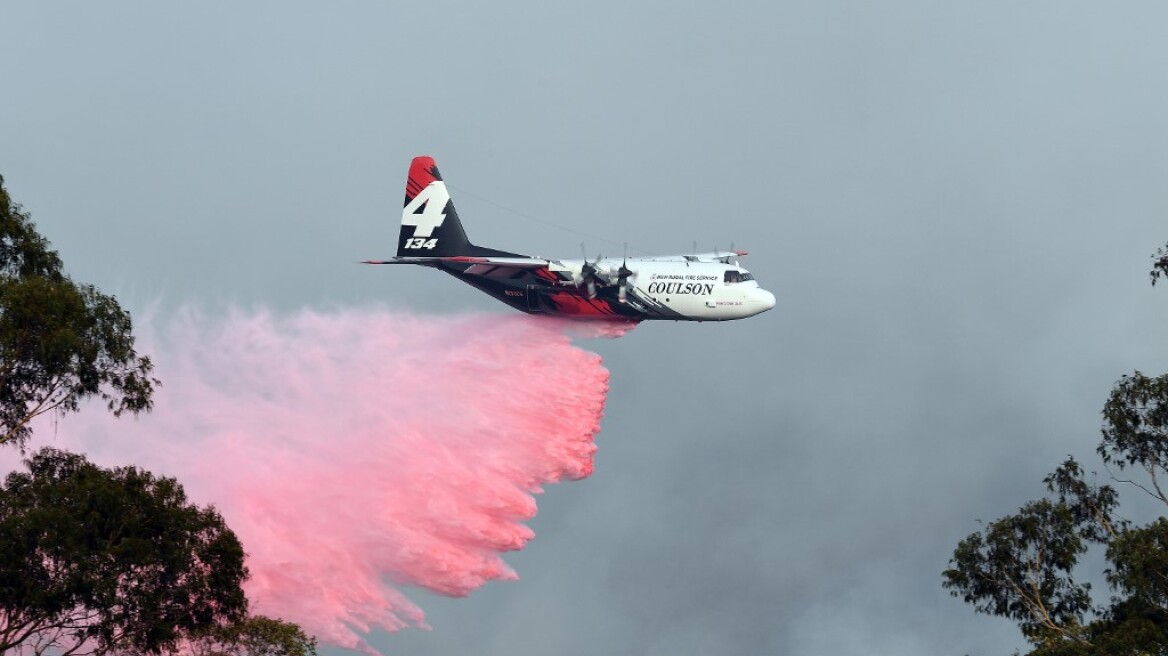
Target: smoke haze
(356, 452)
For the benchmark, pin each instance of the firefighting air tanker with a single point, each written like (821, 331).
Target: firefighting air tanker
(699, 287)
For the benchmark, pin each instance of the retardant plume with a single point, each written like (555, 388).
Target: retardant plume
(358, 451)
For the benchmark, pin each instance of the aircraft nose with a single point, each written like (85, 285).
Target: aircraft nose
(765, 299)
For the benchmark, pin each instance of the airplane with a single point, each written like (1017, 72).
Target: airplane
(698, 287)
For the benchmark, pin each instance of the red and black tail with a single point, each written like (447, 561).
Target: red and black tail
(429, 224)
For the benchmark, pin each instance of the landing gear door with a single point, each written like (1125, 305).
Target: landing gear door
(533, 298)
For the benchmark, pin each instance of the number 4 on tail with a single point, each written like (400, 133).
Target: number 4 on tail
(421, 243)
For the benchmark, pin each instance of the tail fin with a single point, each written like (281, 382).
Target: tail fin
(429, 224)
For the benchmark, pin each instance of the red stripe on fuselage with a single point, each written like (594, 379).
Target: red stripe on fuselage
(575, 304)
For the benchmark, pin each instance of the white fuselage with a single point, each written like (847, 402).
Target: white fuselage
(695, 290)
(700, 290)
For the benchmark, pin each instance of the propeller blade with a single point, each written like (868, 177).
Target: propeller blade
(589, 274)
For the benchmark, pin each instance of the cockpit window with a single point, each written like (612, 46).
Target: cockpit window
(733, 276)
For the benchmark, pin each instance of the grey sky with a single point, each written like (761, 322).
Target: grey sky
(954, 203)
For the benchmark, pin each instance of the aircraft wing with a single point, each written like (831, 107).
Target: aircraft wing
(509, 262)
(717, 256)
(479, 265)
(720, 256)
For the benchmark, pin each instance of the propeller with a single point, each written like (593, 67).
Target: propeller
(589, 275)
(622, 277)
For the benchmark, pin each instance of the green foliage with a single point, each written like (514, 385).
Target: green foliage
(23, 252)
(255, 636)
(60, 342)
(1092, 508)
(1139, 560)
(1160, 265)
(1021, 567)
(1135, 433)
(94, 560)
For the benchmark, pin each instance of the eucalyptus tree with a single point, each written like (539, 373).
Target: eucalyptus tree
(1023, 566)
(60, 341)
(95, 560)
